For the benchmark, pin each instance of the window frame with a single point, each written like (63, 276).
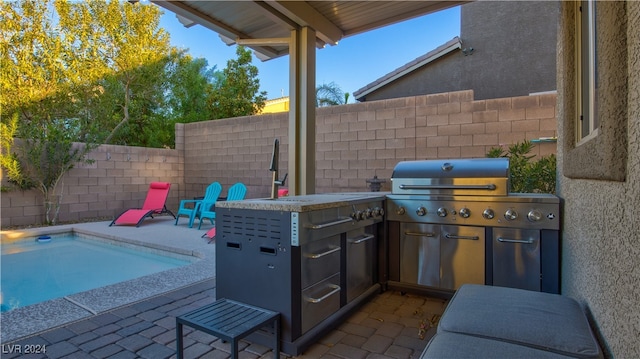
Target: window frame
(587, 124)
(603, 152)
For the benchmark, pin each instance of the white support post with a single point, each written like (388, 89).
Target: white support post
(302, 112)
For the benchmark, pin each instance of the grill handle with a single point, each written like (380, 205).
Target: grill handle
(335, 290)
(329, 224)
(362, 239)
(320, 255)
(488, 187)
(451, 236)
(509, 240)
(419, 234)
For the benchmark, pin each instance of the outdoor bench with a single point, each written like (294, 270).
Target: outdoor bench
(230, 321)
(497, 322)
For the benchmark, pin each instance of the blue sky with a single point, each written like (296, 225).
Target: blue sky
(352, 64)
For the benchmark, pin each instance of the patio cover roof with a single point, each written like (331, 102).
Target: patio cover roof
(276, 28)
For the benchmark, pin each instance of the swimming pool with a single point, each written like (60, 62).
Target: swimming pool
(35, 271)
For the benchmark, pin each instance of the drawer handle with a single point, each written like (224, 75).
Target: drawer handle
(420, 234)
(488, 187)
(451, 236)
(362, 239)
(508, 240)
(318, 255)
(336, 289)
(329, 224)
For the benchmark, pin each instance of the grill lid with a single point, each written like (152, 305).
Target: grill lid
(453, 168)
(475, 176)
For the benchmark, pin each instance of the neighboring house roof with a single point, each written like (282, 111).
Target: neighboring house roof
(280, 104)
(423, 60)
(276, 100)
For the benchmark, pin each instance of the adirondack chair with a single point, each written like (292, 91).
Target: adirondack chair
(190, 207)
(235, 193)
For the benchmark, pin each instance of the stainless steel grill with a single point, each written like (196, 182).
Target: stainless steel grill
(452, 177)
(449, 220)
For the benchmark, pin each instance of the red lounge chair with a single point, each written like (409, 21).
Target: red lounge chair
(211, 234)
(153, 204)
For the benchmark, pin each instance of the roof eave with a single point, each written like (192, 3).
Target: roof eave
(402, 71)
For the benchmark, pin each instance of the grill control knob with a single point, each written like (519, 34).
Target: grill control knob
(379, 211)
(442, 212)
(401, 211)
(368, 213)
(510, 214)
(465, 212)
(421, 211)
(488, 213)
(534, 215)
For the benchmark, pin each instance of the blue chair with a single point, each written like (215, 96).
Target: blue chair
(190, 207)
(235, 193)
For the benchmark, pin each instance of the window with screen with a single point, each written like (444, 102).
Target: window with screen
(587, 125)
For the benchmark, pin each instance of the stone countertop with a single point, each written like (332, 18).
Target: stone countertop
(304, 203)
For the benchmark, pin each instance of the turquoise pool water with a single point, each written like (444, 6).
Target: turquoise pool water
(34, 271)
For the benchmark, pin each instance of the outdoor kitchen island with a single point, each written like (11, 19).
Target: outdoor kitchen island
(312, 258)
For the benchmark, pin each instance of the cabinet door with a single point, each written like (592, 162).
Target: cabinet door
(462, 256)
(420, 254)
(360, 250)
(516, 258)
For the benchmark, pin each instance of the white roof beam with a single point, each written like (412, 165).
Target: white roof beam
(305, 15)
(210, 23)
(278, 41)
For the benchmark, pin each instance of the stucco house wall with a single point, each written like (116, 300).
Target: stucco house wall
(601, 222)
(514, 54)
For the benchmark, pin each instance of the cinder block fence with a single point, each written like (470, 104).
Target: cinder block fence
(353, 143)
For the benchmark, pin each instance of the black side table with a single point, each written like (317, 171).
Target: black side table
(231, 321)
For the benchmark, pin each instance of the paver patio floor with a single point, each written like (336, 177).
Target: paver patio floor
(387, 326)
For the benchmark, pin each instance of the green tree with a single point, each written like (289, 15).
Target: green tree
(77, 72)
(123, 53)
(37, 102)
(330, 95)
(190, 85)
(528, 175)
(237, 91)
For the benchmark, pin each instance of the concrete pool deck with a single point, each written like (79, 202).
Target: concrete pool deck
(154, 234)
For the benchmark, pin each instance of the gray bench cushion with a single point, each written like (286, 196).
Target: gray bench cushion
(445, 345)
(540, 320)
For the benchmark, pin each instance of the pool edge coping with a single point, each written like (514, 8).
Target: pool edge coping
(201, 260)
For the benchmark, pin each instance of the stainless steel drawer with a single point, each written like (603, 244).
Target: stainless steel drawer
(320, 259)
(320, 301)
